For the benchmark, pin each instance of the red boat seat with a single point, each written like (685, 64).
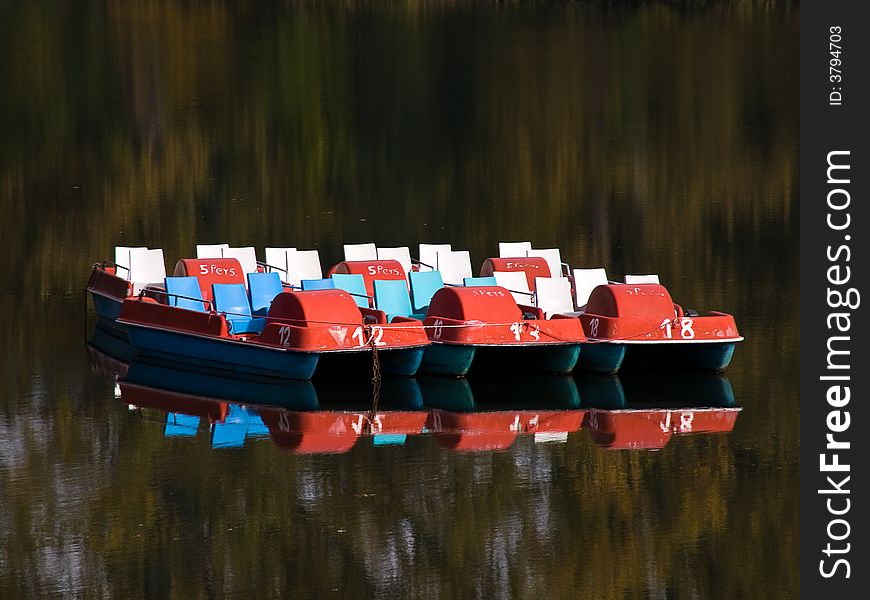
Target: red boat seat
(209, 271)
(532, 266)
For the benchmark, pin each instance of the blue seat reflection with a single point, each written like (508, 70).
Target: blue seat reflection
(180, 425)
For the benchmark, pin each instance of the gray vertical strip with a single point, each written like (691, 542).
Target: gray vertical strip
(834, 225)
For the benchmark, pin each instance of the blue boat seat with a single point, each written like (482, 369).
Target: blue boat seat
(317, 284)
(479, 281)
(424, 284)
(263, 288)
(391, 296)
(353, 284)
(232, 299)
(184, 292)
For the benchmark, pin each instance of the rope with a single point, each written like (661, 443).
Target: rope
(376, 370)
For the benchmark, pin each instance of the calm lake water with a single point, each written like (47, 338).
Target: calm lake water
(642, 138)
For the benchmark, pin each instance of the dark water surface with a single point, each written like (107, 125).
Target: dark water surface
(643, 138)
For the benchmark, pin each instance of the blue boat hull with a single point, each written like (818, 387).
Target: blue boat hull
(704, 356)
(108, 310)
(220, 355)
(605, 358)
(457, 359)
(394, 362)
(448, 359)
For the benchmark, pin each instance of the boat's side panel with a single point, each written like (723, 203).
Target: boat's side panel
(705, 356)
(601, 358)
(543, 358)
(392, 362)
(448, 359)
(221, 354)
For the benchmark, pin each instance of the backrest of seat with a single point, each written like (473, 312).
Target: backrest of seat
(210, 250)
(479, 281)
(355, 285)
(303, 264)
(317, 284)
(231, 298)
(516, 283)
(246, 256)
(146, 266)
(263, 287)
(513, 249)
(122, 260)
(184, 292)
(454, 266)
(553, 257)
(642, 279)
(391, 296)
(371, 270)
(532, 266)
(400, 253)
(209, 271)
(423, 286)
(586, 280)
(276, 260)
(360, 251)
(429, 255)
(553, 295)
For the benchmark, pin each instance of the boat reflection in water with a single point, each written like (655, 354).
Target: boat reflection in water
(637, 412)
(652, 408)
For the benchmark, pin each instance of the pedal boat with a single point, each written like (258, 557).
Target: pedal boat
(654, 331)
(485, 326)
(302, 330)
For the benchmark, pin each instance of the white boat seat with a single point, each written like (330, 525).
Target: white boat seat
(553, 257)
(454, 265)
(586, 280)
(122, 260)
(303, 264)
(246, 256)
(400, 253)
(360, 251)
(553, 295)
(429, 255)
(513, 249)
(276, 260)
(210, 250)
(147, 267)
(642, 279)
(517, 284)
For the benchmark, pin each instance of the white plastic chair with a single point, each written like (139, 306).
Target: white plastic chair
(516, 283)
(513, 249)
(454, 266)
(360, 252)
(276, 260)
(147, 267)
(401, 254)
(303, 264)
(553, 295)
(553, 257)
(586, 280)
(246, 256)
(642, 279)
(122, 260)
(429, 255)
(210, 250)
